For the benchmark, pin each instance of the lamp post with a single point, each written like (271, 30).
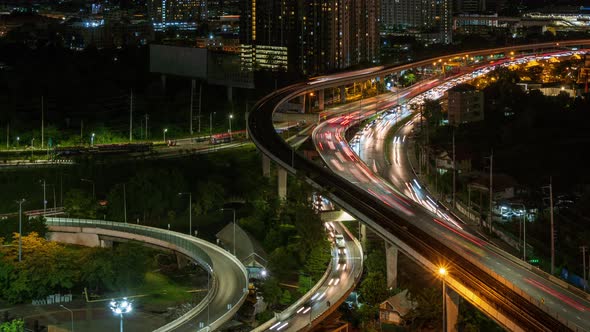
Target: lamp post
(190, 211)
(442, 272)
(124, 201)
(20, 228)
(71, 314)
(121, 307)
(165, 131)
(92, 139)
(44, 195)
(234, 211)
(17, 142)
(93, 191)
(231, 116)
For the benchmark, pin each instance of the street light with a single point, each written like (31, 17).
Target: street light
(72, 315)
(93, 191)
(165, 131)
(121, 307)
(231, 116)
(190, 214)
(20, 228)
(44, 195)
(17, 142)
(92, 139)
(234, 211)
(442, 272)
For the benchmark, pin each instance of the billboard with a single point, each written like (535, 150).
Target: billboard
(180, 61)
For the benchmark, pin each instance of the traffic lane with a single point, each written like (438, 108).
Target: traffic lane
(230, 288)
(504, 264)
(465, 242)
(346, 264)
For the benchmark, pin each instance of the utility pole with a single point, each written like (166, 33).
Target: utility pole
(200, 103)
(125, 202)
(131, 117)
(552, 225)
(190, 122)
(454, 172)
(146, 126)
(42, 121)
(81, 130)
(584, 249)
(20, 228)
(7, 134)
(491, 189)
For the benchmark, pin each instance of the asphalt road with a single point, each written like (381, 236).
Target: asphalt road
(346, 265)
(400, 190)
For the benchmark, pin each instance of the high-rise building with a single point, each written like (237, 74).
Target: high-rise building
(418, 17)
(321, 35)
(178, 13)
(470, 6)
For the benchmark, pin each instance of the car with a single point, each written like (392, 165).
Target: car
(340, 243)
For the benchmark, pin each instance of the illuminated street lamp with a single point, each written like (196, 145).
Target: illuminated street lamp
(165, 131)
(92, 139)
(231, 116)
(442, 272)
(120, 308)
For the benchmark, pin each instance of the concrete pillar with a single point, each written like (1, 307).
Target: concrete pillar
(106, 243)
(321, 101)
(451, 309)
(363, 238)
(302, 100)
(265, 166)
(391, 263)
(181, 260)
(282, 183)
(342, 94)
(230, 93)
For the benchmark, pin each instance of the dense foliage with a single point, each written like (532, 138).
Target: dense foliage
(49, 267)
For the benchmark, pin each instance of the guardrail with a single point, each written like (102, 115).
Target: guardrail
(188, 245)
(279, 152)
(284, 314)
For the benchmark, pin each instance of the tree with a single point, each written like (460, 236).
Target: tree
(433, 113)
(429, 307)
(271, 291)
(317, 260)
(29, 225)
(285, 298)
(16, 325)
(374, 289)
(96, 269)
(80, 204)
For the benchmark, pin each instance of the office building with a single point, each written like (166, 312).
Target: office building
(181, 14)
(464, 104)
(319, 35)
(427, 20)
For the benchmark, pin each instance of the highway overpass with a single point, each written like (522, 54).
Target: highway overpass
(228, 283)
(495, 294)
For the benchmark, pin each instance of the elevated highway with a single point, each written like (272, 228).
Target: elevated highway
(228, 276)
(401, 223)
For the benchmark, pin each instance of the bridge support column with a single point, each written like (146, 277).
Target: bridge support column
(363, 235)
(106, 243)
(321, 98)
(451, 308)
(282, 182)
(230, 93)
(391, 252)
(342, 94)
(182, 260)
(265, 166)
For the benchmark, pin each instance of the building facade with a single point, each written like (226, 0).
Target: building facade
(320, 35)
(464, 104)
(415, 17)
(182, 14)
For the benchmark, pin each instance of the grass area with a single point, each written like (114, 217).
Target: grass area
(163, 291)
